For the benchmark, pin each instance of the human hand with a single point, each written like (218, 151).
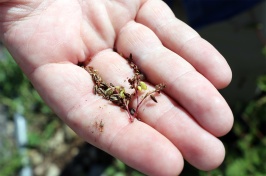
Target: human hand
(48, 39)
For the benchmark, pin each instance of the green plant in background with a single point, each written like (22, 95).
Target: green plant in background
(18, 96)
(40, 138)
(262, 83)
(247, 153)
(17, 93)
(16, 90)
(118, 168)
(10, 165)
(264, 50)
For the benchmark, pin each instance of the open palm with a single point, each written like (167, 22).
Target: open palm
(49, 38)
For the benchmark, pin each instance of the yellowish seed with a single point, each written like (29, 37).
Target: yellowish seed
(143, 85)
(122, 95)
(139, 88)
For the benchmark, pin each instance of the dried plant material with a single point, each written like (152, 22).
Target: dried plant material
(118, 95)
(99, 126)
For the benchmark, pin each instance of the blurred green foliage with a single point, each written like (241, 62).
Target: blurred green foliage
(39, 138)
(16, 92)
(118, 168)
(18, 96)
(246, 154)
(9, 166)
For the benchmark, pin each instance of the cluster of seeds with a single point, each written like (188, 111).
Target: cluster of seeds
(118, 95)
(115, 94)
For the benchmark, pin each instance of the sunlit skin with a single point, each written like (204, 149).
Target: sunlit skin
(49, 38)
